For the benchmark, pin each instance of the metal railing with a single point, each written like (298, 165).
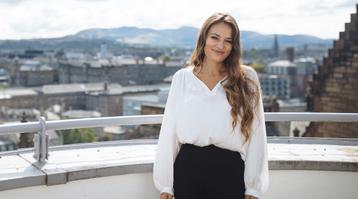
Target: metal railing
(41, 140)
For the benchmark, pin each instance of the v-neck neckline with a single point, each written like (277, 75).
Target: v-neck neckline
(204, 85)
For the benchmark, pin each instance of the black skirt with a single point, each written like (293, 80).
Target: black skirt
(208, 172)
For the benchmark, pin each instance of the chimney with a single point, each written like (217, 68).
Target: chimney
(290, 54)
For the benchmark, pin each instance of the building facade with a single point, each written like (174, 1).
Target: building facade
(112, 72)
(335, 86)
(275, 85)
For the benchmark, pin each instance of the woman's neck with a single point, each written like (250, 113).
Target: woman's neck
(212, 68)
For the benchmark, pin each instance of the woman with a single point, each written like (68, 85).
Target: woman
(212, 142)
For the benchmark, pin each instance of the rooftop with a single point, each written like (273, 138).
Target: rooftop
(143, 97)
(93, 88)
(36, 68)
(81, 114)
(299, 167)
(12, 92)
(282, 63)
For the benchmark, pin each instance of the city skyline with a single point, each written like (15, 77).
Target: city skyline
(47, 19)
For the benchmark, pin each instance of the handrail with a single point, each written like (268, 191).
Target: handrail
(310, 116)
(42, 126)
(80, 123)
(157, 119)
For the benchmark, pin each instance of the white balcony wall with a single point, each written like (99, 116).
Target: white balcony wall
(284, 184)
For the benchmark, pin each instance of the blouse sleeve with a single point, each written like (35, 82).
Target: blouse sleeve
(256, 163)
(167, 148)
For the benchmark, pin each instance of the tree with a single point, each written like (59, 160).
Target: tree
(26, 139)
(258, 66)
(79, 136)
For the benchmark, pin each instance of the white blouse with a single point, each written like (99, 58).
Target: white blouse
(196, 115)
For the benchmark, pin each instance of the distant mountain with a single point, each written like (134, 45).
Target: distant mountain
(183, 37)
(252, 39)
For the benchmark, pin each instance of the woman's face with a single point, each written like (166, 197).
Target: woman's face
(218, 43)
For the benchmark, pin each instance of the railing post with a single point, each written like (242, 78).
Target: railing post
(41, 142)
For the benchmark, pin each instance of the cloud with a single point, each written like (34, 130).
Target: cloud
(347, 4)
(52, 18)
(89, 1)
(11, 1)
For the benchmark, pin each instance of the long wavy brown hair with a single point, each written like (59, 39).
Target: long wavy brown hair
(242, 92)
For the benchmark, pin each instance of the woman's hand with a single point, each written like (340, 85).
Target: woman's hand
(166, 196)
(250, 197)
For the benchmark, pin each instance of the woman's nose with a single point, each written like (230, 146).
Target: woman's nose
(220, 45)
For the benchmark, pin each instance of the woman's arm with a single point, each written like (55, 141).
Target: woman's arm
(256, 161)
(167, 148)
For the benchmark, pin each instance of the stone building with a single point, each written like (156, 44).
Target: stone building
(149, 131)
(35, 73)
(18, 98)
(286, 69)
(108, 104)
(4, 76)
(103, 98)
(114, 72)
(335, 87)
(306, 67)
(275, 85)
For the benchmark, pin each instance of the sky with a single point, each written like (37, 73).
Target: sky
(25, 19)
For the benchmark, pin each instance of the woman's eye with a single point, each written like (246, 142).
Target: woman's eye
(214, 38)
